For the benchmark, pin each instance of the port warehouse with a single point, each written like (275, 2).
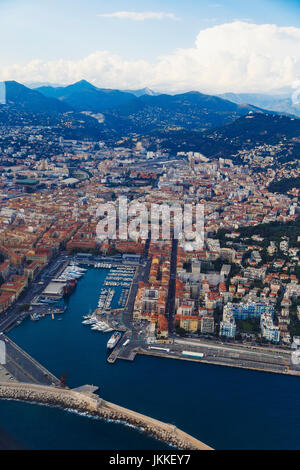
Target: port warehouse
(54, 289)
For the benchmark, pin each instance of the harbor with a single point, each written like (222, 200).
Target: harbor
(153, 385)
(107, 314)
(110, 311)
(98, 318)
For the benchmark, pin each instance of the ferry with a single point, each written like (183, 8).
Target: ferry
(113, 340)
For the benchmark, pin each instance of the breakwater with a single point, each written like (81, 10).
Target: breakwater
(93, 405)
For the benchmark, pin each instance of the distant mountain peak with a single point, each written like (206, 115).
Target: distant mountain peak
(148, 91)
(15, 84)
(142, 92)
(82, 85)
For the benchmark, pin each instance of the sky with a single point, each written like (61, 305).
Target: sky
(168, 45)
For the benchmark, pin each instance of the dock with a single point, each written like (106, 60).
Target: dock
(214, 354)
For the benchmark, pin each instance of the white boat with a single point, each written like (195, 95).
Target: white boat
(90, 321)
(113, 340)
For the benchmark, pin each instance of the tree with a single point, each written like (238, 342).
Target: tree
(180, 331)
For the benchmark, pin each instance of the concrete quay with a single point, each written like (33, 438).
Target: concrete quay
(23, 367)
(216, 362)
(85, 401)
(243, 358)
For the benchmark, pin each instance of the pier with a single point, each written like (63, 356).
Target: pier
(83, 400)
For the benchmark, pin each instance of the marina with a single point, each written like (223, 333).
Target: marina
(103, 265)
(110, 300)
(113, 293)
(120, 276)
(71, 272)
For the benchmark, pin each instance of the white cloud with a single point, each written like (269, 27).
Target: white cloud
(235, 56)
(139, 16)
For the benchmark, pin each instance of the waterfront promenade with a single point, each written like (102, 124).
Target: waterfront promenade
(83, 400)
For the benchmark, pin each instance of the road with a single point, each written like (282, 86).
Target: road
(170, 304)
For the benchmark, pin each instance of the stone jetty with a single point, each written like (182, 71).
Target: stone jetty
(93, 405)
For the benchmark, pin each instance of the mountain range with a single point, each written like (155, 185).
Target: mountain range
(188, 120)
(28, 107)
(144, 111)
(281, 101)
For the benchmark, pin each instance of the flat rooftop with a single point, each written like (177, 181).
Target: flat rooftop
(54, 288)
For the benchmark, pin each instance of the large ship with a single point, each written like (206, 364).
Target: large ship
(69, 287)
(113, 340)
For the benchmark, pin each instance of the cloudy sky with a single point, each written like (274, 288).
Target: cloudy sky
(168, 45)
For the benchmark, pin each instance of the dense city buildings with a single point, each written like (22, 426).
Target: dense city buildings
(242, 284)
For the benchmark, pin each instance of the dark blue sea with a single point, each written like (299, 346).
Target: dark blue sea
(224, 407)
